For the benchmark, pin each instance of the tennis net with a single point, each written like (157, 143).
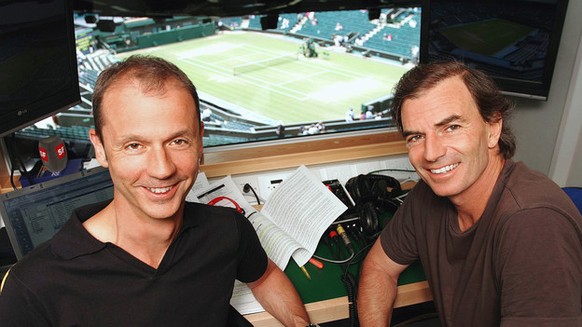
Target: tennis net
(262, 64)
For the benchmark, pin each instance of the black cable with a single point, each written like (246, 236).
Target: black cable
(247, 187)
(351, 288)
(12, 156)
(12, 178)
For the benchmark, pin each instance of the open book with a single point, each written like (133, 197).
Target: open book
(290, 224)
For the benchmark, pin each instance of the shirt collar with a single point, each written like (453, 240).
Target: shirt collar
(73, 240)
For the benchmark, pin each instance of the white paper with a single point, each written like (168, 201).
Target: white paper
(278, 245)
(304, 208)
(201, 183)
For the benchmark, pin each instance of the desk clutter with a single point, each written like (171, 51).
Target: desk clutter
(318, 232)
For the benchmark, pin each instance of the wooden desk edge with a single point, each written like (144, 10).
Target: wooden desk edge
(255, 160)
(338, 308)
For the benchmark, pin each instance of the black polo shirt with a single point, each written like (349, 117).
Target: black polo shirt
(76, 280)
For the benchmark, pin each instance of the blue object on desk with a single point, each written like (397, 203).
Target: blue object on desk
(73, 166)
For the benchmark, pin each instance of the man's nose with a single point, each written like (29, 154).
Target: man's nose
(433, 148)
(160, 163)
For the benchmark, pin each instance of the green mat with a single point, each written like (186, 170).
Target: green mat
(327, 283)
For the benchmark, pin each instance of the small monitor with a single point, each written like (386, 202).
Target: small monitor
(32, 215)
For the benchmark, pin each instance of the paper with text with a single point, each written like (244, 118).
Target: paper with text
(303, 208)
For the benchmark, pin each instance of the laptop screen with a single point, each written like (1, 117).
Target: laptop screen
(33, 214)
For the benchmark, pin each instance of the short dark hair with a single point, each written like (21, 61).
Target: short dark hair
(151, 72)
(491, 103)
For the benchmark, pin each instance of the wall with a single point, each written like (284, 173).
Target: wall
(537, 123)
(566, 167)
(4, 173)
(396, 166)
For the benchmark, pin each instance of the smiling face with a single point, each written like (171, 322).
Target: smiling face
(450, 145)
(151, 144)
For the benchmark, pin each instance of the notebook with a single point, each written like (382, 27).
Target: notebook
(33, 214)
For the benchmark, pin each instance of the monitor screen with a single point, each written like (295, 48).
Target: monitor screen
(515, 41)
(33, 214)
(38, 67)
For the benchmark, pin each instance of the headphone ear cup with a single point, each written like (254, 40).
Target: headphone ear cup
(369, 220)
(384, 186)
(359, 189)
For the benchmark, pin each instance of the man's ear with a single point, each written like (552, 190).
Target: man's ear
(99, 149)
(201, 144)
(495, 128)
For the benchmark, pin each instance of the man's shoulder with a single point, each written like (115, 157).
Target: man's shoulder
(203, 214)
(191, 208)
(530, 195)
(36, 268)
(528, 189)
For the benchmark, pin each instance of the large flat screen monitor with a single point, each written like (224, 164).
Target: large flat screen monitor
(38, 66)
(515, 41)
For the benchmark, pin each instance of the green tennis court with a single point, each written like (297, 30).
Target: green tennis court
(293, 90)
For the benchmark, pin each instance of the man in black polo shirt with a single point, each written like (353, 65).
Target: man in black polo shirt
(146, 258)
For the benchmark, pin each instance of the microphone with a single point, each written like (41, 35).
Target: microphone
(53, 153)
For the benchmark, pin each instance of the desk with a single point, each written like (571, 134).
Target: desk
(338, 308)
(326, 297)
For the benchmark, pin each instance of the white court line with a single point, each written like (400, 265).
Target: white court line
(273, 86)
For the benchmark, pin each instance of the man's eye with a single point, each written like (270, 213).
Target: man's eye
(413, 139)
(133, 146)
(453, 127)
(180, 142)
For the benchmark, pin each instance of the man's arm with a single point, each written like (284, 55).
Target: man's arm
(377, 288)
(278, 296)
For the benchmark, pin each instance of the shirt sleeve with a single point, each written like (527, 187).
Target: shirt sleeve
(252, 258)
(398, 238)
(539, 269)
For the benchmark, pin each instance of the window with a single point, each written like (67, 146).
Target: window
(295, 80)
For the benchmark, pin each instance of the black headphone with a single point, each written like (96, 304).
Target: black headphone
(373, 195)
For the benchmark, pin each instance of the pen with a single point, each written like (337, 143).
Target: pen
(305, 272)
(211, 191)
